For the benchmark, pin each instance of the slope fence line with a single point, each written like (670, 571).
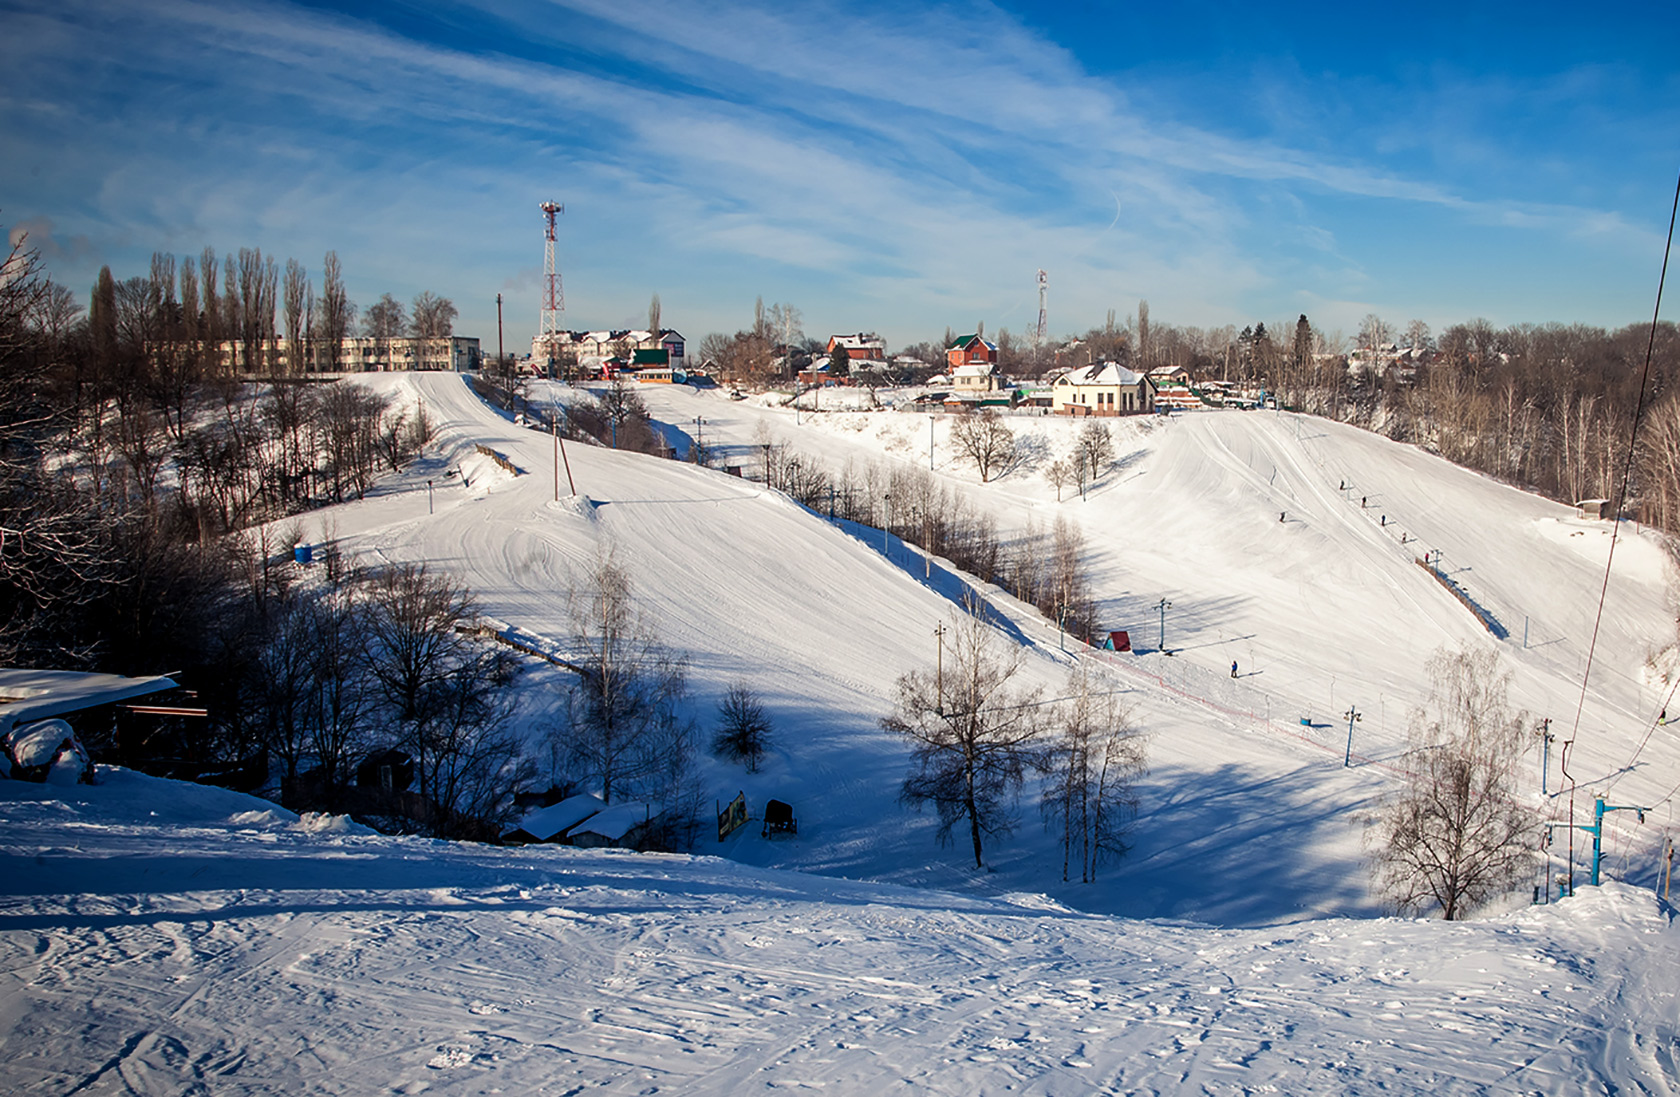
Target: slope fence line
(501, 460)
(521, 641)
(1483, 614)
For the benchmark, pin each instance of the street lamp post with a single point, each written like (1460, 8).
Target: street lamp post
(1352, 715)
(1163, 606)
(886, 524)
(429, 509)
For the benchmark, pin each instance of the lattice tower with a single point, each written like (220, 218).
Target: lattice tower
(554, 298)
(1043, 301)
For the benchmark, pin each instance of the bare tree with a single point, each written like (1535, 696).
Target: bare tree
(293, 306)
(622, 403)
(1145, 348)
(985, 440)
(433, 317)
(1456, 835)
(624, 720)
(443, 691)
(337, 313)
(1095, 447)
(1066, 592)
(653, 317)
(1059, 475)
(341, 697)
(1374, 332)
(1092, 770)
(971, 734)
(744, 729)
(384, 321)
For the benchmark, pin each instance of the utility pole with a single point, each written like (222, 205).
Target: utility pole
(1546, 738)
(939, 673)
(500, 354)
(560, 445)
(1163, 605)
(1353, 715)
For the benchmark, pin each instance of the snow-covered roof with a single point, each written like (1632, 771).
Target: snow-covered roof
(860, 341)
(978, 369)
(27, 694)
(1102, 373)
(544, 823)
(614, 822)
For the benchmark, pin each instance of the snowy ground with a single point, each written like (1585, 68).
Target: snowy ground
(207, 946)
(218, 946)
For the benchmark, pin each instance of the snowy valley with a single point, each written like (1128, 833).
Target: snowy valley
(167, 938)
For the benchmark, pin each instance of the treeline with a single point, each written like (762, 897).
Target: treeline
(1042, 566)
(129, 463)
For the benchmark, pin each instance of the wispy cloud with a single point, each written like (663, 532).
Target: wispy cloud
(891, 165)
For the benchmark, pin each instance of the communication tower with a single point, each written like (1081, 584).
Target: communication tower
(1043, 299)
(554, 298)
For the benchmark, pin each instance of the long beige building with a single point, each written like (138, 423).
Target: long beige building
(363, 354)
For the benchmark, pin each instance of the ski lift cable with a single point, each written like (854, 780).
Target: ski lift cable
(1627, 472)
(1659, 720)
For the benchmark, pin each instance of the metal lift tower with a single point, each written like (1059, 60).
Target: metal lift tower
(1043, 299)
(554, 299)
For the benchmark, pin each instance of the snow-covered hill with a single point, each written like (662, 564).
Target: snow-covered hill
(214, 947)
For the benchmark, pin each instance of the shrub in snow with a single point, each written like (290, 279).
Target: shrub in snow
(743, 731)
(47, 750)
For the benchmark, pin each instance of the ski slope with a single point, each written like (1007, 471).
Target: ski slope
(1247, 797)
(161, 939)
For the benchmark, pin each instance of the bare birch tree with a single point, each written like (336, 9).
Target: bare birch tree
(624, 718)
(1457, 834)
(1092, 770)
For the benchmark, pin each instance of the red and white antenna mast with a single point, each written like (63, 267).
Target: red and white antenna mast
(554, 299)
(1043, 300)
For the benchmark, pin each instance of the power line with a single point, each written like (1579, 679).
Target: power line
(1627, 475)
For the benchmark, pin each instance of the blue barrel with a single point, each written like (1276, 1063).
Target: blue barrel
(303, 554)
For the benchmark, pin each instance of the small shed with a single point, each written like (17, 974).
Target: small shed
(1118, 641)
(1592, 508)
(551, 823)
(33, 738)
(619, 825)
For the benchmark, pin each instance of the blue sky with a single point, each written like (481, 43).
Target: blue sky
(881, 166)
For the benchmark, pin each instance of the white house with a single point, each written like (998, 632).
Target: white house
(973, 379)
(1102, 389)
